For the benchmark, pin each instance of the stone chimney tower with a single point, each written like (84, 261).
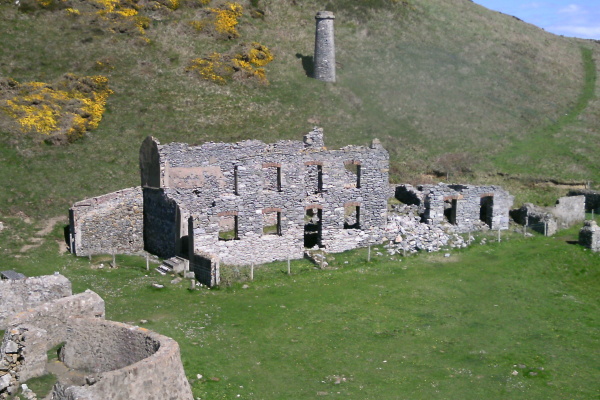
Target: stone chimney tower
(324, 47)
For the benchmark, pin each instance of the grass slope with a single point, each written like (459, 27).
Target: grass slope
(518, 319)
(428, 77)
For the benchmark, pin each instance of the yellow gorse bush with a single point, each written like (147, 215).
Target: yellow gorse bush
(244, 65)
(226, 19)
(63, 111)
(220, 21)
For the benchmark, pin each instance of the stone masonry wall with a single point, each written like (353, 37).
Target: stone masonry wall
(123, 362)
(161, 223)
(19, 295)
(589, 236)
(465, 207)
(107, 224)
(23, 356)
(31, 333)
(592, 199)
(569, 211)
(250, 184)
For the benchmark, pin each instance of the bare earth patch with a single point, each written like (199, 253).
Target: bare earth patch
(39, 235)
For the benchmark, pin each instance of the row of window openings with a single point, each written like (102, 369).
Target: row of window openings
(273, 181)
(229, 226)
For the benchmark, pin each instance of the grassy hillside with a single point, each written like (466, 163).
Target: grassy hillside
(427, 77)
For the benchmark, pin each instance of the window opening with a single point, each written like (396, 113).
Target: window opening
(314, 177)
(272, 177)
(486, 207)
(235, 181)
(450, 206)
(352, 217)
(228, 227)
(313, 227)
(353, 172)
(272, 223)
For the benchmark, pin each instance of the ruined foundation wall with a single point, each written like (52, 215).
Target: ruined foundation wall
(19, 295)
(589, 236)
(466, 207)
(569, 211)
(592, 199)
(109, 223)
(31, 333)
(124, 362)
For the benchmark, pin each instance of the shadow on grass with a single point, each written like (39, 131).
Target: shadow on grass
(308, 63)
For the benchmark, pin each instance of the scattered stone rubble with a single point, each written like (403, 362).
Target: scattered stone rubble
(411, 235)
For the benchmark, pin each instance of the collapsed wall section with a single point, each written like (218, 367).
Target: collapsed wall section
(20, 295)
(567, 212)
(112, 223)
(463, 207)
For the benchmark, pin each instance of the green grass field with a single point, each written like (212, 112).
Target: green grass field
(518, 319)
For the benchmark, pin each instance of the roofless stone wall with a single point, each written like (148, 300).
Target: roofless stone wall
(123, 362)
(31, 333)
(19, 295)
(466, 207)
(116, 361)
(109, 223)
(253, 202)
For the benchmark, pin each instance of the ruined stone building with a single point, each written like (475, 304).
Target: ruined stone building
(465, 207)
(252, 202)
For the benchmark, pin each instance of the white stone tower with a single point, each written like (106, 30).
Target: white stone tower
(324, 47)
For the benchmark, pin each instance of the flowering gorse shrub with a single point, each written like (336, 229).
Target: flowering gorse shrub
(220, 21)
(244, 63)
(117, 16)
(60, 112)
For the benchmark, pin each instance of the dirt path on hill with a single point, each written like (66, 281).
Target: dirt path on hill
(38, 239)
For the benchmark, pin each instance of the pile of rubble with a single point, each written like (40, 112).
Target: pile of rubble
(408, 234)
(10, 362)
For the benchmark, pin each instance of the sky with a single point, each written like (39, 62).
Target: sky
(577, 18)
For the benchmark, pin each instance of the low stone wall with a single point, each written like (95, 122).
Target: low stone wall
(205, 267)
(33, 332)
(108, 223)
(589, 236)
(567, 212)
(23, 356)
(592, 199)
(20, 295)
(124, 362)
(53, 315)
